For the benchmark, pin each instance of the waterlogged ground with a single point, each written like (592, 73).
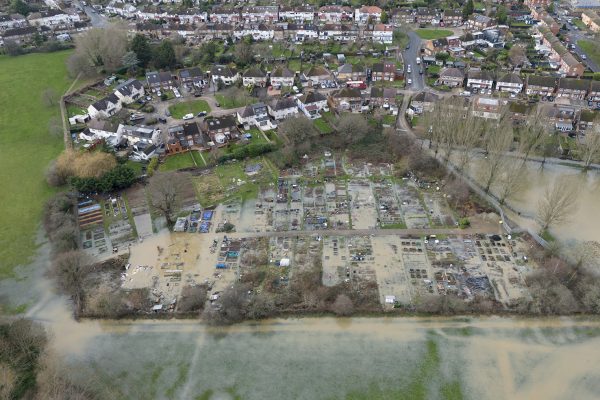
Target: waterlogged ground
(327, 358)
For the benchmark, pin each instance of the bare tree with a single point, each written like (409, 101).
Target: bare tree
(50, 97)
(517, 55)
(532, 135)
(498, 142)
(342, 305)
(467, 135)
(165, 193)
(298, 133)
(99, 49)
(352, 128)
(443, 123)
(70, 269)
(511, 181)
(559, 202)
(588, 148)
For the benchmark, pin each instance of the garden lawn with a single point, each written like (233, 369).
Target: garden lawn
(194, 107)
(323, 126)
(26, 149)
(429, 34)
(177, 161)
(591, 49)
(236, 102)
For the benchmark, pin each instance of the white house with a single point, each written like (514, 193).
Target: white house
(335, 13)
(254, 76)
(283, 108)
(12, 21)
(383, 33)
(255, 115)
(52, 17)
(338, 32)
(110, 105)
(281, 76)
(143, 151)
(224, 73)
(297, 14)
(256, 31)
(267, 14)
(510, 82)
(367, 13)
(90, 134)
(129, 91)
(140, 134)
(480, 79)
(312, 103)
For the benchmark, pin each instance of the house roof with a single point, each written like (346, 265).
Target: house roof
(317, 70)
(102, 105)
(312, 97)
(126, 88)
(284, 103)
(223, 70)
(370, 10)
(350, 68)
(426, 97)
(226, 121)
(254, 72)
(480, 74)
(384, 93)
(510, 78)
(452, 73)
(158, 77)
(573, 84)
(254, 109)
(193, 72)
(282, 72)
(347, 93)
(544, 81)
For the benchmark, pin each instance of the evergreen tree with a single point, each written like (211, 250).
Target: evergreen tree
(141, 48)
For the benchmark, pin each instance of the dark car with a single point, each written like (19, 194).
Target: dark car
(201, 114)
(162, 120)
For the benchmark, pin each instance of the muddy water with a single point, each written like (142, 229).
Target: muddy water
(583, 224)
(326, 358)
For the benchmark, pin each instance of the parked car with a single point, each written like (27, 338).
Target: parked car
(162, 120)
(188, 116)
(168, 113)
(201, 114)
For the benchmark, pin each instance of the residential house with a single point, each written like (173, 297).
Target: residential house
(298, 14)
(254, 76)
(568, 65)
(140, 134)
(225, 74)
(191, 76)
(335, 13)
(452, 17)
(338, 32)
(594, 94)
(488, 108)
(225, 16)
(562, 118)
(316, 74)
(591, 19)
(587, 119)
(211, 31)
(383, 33)
(423, 102)
(159, 80)
(108, 106)
(384, 71)
(480, 79)
(351, 72)
(312, 103)
(382, 96)
(143, 151)
(221, 129)
(185, 137)
(451, 77)
(301, 32)
(282, 76)
(90, 134)
(129, 91)
(540, 86)
(435, 46)
(571, 88)
(52, 17)
(402, 16)
(538, 3)
(509, 82)
(190, 16)
(12, 21)
(268, 14)
(283, 108)
(255, 115)
(425, 16)
(257, 31)
(19, 35)
(346, 99)
(367, 14)
(478, 22)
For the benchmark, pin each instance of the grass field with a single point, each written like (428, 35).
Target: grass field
(429, 34)
(228, 102)
(26, 148)
(322, 126)
(177, 161)
(195, 106)
(591, 49)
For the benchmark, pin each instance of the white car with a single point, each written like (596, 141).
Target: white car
(409, 81)
(188, 116)
(176, 92)
(408, 68)
(418, 60)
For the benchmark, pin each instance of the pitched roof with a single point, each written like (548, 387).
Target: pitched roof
(573, 84)
(102, 104)
(126, 88)
(254, 72)
(190, 73)
(544, 81)
(282, 72)
(510, 78)
(346, 92)
(223, 70)
(452, 73)
(480, 74)
(226, 121)
(312, 97)
(284, 103)
(316, 70)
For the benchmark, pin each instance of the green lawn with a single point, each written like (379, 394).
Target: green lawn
(195, 106)
(591, 49)
(228, 102)
(322, 126)
(177, 161)
(26, 149)
(429, 34)
(579, 23)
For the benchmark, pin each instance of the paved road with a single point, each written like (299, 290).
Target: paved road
(410, 58)
(574, 37)
(96, 19)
